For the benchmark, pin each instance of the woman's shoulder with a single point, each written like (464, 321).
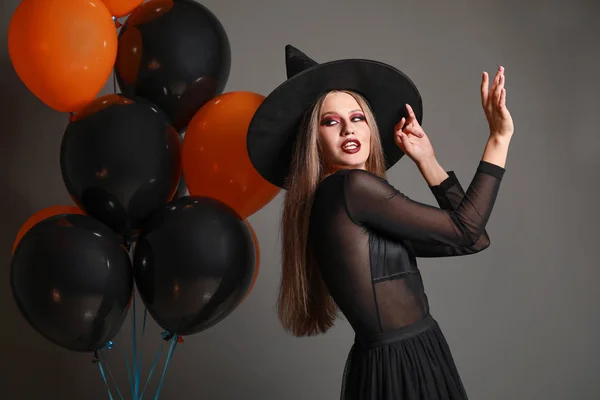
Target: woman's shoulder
(361, 179)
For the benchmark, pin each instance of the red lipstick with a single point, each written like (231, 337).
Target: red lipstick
(351, 146)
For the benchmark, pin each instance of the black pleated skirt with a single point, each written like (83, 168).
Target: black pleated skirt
(413, 363)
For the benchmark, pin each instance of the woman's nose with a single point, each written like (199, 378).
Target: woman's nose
(347, 130)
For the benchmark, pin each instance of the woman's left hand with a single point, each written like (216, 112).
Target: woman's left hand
(412, 139)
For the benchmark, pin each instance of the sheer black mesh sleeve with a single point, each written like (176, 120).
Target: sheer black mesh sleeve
(458, 227)
(449, 194)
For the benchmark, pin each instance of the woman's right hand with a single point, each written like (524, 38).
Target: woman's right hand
(493, 100)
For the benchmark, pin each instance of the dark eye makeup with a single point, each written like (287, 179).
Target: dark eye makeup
(329, 121)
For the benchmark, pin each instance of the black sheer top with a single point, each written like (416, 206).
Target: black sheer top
(366, 236)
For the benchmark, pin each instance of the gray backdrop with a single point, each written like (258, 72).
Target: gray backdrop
(521, 317)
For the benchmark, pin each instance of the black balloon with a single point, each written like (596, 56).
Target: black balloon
(121, 160)
(193, 264)
(175, 53)
(72, 281)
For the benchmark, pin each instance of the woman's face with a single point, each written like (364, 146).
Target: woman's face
(344, 135)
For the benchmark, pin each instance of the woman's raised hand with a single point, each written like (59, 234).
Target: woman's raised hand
(412, 139)
(493, 100)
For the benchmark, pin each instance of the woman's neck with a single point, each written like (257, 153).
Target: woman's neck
(332, 170)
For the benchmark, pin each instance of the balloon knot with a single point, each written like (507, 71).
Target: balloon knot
(71, 116)
(128, 243)
(180, 339)
(95, 360)
(117, 23)
(109, 345)
(167, 336)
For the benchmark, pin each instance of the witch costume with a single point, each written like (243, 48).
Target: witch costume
(367, 235)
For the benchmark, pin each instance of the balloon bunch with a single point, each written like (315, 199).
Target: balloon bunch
(192, 258)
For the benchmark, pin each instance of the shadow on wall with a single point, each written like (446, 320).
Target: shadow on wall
(36, 366)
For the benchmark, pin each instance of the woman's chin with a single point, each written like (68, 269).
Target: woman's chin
(354, 160)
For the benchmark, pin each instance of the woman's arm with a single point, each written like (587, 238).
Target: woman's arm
(496, 150)
(375, 204)
(449, 194)
(432, 171)
(413, 141)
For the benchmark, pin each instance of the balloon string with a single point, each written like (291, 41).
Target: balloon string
(142, 345)
(110, 374)
(104, 379)
(145, 318)
(136, 366)
(126, 363)
(128, 372)
(139, 350)
(152, 369)
(174, 341)
(137, 355)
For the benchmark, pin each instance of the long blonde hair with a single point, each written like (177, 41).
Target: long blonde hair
(304, 305)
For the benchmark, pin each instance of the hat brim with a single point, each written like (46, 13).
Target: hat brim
(274, 126)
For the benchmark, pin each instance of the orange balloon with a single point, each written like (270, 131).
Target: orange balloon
(63, 50)
(257, 268)
(121, 8)
(214, 156)
(42, 215)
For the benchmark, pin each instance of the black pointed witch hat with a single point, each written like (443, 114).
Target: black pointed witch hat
(274, 126)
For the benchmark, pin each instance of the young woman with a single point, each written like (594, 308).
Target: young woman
(350, 239)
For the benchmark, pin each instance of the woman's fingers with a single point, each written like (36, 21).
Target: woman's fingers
(498, 90)
(406, 141)
(497, 79)
(400, 125)
(411, 113)
(502, 102)
(484, 88)
(413, 130)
